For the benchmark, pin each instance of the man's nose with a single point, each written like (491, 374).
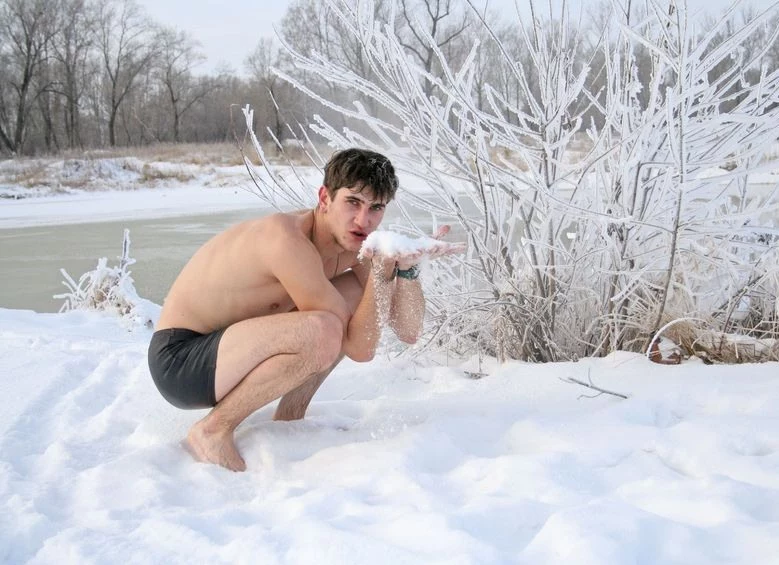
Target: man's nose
(363, 218)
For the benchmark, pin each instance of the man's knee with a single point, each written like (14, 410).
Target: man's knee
(327, 336)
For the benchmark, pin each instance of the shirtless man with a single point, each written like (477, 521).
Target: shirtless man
(266, 309)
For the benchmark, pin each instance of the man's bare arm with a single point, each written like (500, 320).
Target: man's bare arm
(403, 300)
(406, 299)
(365, 325)
(298, 267)
(407, 310)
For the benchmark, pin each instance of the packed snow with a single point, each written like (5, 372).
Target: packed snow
(399, 460)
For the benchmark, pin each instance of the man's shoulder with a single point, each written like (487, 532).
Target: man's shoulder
(279, 226)
(283, 232)
(282, 221)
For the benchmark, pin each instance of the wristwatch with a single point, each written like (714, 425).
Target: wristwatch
(409, 274)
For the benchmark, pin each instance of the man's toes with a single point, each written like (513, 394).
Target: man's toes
(238, 465)
(231, 459)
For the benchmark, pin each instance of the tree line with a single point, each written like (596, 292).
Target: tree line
(80, 74)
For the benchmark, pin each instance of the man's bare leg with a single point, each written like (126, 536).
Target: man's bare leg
(294, 404)
(260, 360)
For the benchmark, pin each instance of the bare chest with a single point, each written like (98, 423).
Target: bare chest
(263, 300)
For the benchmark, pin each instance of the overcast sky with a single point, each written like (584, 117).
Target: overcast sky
(229, 31)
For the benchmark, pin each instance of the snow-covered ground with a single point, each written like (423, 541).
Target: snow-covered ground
(397, 461)
(117, 205)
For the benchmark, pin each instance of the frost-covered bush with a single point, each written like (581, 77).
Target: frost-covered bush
(109, 289)
(608, 181)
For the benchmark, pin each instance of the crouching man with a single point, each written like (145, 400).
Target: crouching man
(266, 309)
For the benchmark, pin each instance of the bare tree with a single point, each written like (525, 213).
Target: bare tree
(47, 102)
(427, 26)
(312, 27)
(26, 31)
(125, 41)
(72, 48)
(179, 55)
(307, 26)
(259, 64)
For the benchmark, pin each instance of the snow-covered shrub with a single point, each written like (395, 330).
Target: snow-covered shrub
(576, 249)
(109, 289)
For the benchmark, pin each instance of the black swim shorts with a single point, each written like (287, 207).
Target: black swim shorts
(183, 366)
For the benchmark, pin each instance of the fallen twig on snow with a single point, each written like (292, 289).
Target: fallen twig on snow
(592, 386)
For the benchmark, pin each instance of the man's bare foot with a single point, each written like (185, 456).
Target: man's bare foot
(217, 448)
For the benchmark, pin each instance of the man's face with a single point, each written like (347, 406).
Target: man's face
(352, 215)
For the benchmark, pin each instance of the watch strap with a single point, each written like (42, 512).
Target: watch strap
(410, 274)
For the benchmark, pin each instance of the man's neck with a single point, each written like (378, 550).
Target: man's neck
(322, 238)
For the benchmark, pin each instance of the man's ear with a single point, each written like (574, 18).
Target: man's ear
(324, 198)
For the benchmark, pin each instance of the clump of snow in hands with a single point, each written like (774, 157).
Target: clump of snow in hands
(395, 462)
(391, 244)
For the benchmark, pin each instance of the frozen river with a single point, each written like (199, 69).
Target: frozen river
(31, 257)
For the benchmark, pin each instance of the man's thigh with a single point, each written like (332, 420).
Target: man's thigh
(249, 343)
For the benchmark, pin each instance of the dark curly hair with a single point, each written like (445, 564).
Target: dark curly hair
(361, 169)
